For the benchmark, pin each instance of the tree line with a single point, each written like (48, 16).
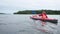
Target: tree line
(38, 12)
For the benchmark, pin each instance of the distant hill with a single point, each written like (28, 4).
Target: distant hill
(38, 12)
(2, 13)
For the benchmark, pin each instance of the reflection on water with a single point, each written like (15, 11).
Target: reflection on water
(21, 24)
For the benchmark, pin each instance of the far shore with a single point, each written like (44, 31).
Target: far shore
(30, 14)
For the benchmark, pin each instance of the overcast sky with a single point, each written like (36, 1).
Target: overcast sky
(10, 6)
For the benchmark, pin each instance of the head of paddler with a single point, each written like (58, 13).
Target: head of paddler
(44, 12)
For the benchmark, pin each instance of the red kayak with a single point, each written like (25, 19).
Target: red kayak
(55, 21)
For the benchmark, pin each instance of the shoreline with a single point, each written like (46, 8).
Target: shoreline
(35, 14)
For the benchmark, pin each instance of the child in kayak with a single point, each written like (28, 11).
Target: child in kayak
(43, 16)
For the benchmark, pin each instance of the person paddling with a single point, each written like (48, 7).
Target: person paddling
(43, 16)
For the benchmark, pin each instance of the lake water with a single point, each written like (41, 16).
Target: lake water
(22, 24)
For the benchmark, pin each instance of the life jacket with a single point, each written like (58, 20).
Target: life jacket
(43, 16)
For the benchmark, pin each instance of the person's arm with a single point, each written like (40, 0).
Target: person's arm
(40, 14)
(46, 16)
